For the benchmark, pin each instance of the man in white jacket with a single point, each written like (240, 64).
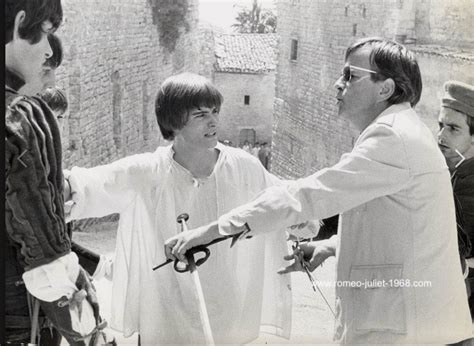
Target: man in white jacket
(197, 176)
(399, 278)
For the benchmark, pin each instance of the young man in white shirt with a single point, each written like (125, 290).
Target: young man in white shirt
(198, 176)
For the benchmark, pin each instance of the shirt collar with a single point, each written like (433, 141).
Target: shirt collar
(396, 108)
(220, 147)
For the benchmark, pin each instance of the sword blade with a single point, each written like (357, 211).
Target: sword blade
(316, 287)
(206, 325)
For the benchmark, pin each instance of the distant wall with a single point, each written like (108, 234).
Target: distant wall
(114, 63)
(235, 115)
(445, 22)
(307, 134)
(438, 66)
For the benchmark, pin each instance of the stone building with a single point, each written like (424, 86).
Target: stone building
(244, 72)
(307, 134)
(117, 53)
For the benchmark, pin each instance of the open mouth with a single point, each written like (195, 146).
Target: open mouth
(211, 134)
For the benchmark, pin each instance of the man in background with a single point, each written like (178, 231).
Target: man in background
(456, 141)
(264, 155)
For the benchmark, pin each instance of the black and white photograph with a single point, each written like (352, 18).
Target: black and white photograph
(238, 172)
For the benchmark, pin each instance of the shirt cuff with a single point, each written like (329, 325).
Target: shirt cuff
(274, 209)
(228, 226)
(54, 280)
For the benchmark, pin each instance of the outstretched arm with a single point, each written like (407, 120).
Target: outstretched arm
(368, 172)
(107, 189)
(363, 175)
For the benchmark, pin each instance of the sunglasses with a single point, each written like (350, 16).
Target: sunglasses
(347, 73)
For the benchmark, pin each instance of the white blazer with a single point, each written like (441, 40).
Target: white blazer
(397, 226)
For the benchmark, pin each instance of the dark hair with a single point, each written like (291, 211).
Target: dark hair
(392, 60)
(57, 48)
(56, 100)
(37, 12)
(178, 95)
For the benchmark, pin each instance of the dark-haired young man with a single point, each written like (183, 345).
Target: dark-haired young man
(203, 178)
(456, 141)
(41, 271)
(398, 275)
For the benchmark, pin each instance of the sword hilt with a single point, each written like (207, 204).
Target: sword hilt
(181, 267)
(181, 219)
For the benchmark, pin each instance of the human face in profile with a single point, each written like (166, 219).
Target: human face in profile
(357, 92)
(27, 59)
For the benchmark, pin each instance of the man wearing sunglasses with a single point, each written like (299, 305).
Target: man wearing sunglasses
(399, 278)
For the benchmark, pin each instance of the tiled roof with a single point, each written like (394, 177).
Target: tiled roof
(245, 53)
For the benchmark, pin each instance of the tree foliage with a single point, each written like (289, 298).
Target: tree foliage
(255, 20)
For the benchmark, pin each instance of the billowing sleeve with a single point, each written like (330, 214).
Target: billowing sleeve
(108, 189)
(376, 167)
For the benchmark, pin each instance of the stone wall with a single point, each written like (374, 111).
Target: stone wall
(307, 133)
(114, 62)
(236, 115)
(445, 22)
(437, 66)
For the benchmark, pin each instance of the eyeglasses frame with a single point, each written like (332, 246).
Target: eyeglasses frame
(357, 68)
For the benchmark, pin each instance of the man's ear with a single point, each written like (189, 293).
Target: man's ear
(386, 89)
(19, 18)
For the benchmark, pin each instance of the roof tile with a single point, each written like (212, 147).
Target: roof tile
(245, 53)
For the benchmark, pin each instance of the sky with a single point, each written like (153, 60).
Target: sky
(222, 13)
